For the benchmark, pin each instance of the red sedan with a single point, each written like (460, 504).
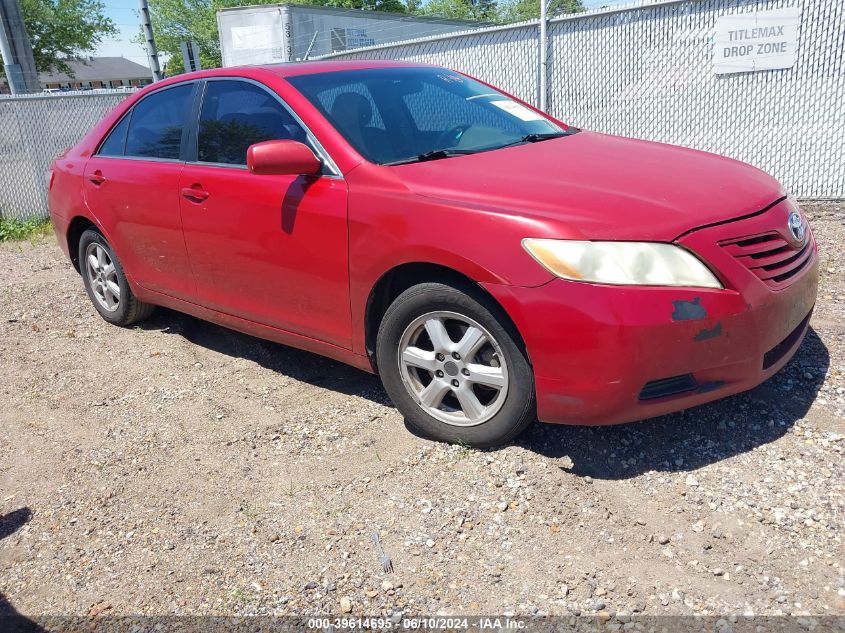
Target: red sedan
(491, 263)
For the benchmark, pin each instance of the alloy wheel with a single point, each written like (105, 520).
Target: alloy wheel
(454, 368)
(102, 276)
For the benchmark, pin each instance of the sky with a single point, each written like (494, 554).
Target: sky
(125, 16)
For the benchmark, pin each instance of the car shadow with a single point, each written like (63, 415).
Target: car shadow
(10, 620)
(681, 441)
(289, 361)
(693, 438)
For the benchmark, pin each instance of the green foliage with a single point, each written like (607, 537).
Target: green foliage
(492, 11)
(12, 229)
(64, 29)
(483, 10)
(176, 21)
(521, 10)
(394, 6)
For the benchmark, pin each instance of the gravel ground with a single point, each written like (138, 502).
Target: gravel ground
(180, 468)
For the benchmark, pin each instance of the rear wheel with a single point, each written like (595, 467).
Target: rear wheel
(453, 368)
(105, 282)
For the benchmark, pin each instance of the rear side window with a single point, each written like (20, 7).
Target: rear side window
(116, 140)
(237, 114)
(155, 128)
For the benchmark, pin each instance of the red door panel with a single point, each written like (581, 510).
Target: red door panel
(137, 202)
(271, 249)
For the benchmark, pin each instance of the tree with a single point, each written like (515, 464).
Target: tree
(394, 6)
(521, 10)
(177, 21)
(414, 7)
(63, 30)
(481, 10)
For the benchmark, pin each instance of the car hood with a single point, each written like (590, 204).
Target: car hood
(595, 186)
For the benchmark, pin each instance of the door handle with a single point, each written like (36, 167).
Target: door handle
(97, 178)
(195, 193)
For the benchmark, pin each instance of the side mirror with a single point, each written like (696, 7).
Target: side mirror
(282, 158)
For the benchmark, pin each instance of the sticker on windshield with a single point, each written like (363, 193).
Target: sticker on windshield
(518, 110)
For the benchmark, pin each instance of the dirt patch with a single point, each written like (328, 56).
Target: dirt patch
(178, 467)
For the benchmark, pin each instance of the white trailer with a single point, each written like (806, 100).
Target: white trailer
(274, 33)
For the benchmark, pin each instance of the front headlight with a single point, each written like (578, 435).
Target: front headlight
(622, 263)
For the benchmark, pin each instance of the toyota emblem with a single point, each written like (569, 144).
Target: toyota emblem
(796, 227)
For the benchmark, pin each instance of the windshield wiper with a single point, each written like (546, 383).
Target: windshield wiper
(435, 154)
(536, 138)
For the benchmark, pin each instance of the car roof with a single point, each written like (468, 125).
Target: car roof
(284, 70)
(292, 69)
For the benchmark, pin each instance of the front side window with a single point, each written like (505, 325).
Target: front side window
(157, 121)
(395, 115)
(237, 114)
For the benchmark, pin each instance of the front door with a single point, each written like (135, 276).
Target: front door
(270, 249)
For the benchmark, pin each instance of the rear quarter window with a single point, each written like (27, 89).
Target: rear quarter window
(115, 142)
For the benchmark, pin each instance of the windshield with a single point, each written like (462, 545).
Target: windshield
(396, 115)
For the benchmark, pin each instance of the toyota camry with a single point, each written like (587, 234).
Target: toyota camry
(491, 263)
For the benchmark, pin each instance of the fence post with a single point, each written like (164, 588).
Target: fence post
(544, 54)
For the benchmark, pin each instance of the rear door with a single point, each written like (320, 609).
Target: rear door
(132, 187)
(270, 249)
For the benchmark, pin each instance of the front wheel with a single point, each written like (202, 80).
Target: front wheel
(453, 369)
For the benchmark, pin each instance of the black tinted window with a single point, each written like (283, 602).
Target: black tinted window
(155, 129)
(237, 114)
(395, 114)
(116, 140)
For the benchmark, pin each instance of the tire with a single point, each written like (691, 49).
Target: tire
(121, 308)
(480, 356)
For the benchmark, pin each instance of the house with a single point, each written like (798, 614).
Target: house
(93, 72)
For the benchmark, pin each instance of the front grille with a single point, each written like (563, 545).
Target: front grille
(770, 257)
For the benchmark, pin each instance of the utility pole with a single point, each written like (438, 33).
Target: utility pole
(16, 50)
(544, 54)
(152, 51)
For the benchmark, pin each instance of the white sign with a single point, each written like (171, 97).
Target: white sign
(246, 38)
(518, 110)
(763, 40)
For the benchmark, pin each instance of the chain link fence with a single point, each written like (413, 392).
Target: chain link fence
(641, 71)
(646, 71)
(33, 130)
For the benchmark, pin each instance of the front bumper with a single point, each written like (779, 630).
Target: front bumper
(612, 354)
